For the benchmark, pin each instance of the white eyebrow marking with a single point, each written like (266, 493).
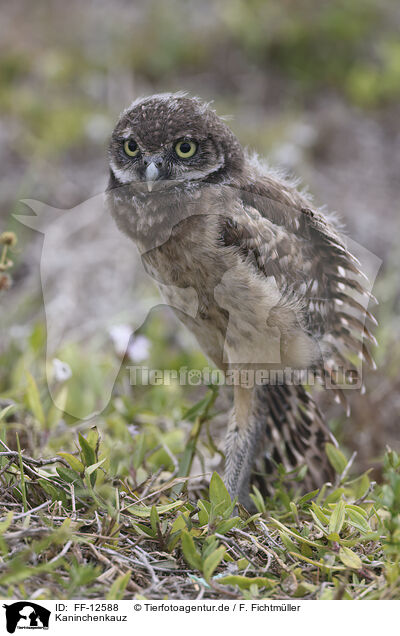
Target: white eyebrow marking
(124, 176)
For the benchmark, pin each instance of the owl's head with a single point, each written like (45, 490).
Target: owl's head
(172, 138)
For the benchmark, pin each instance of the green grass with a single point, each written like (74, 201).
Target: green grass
(104, 510)
(112, 508)
(107, 509)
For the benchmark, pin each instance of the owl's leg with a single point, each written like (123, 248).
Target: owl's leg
(241, 446)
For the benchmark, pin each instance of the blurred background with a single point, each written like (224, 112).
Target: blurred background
(312, 85)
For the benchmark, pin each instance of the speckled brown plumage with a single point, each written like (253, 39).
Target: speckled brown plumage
(276, 287)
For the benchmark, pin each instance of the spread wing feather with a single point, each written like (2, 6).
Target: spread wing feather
(301, 248)
(282, 236)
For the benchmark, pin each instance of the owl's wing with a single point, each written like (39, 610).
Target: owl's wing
(282, 237)
(309, 260)
(295, 434)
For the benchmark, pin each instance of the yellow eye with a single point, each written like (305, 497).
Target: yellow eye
(185, 149)
(131, 148)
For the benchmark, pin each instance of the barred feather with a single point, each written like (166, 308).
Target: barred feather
(283, 237)
(295, 435)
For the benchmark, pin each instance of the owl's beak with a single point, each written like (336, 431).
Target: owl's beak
(151, 174)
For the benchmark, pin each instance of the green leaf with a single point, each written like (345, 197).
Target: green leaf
(32, 394)
(179, 523)
(319, 564)
(319, 514)
(220, 510)
(336, 458)
(204, 512)
(301, 472)
(199, 408)
(294, 510)
(318, 522)
(334, 536)
(68, 475)
(4, 525)
(244, 582)
(306, 550)
(242, 564)
(73, 461)
(145, 511)
(55, 493)
(213, 561)
(210, 544)
(334, 496)
(288, 543)
(258, 500)
(350, 558)
(190, 553)
(19, 572)
(227, 524)
(154, 519)
(88, 453)
(118, 588)
(218, 493)
(358, 521)
(251, 520)
(92, 437)
(296, 535)
(359, 487)
(307, 497)
(149, 532)
(304, 588)
(90, 469)
(139, 450)
(337, 518)
(360, 511)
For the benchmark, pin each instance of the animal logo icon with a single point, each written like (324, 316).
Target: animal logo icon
(26, 615)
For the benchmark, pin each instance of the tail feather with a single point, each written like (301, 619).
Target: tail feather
(295, 434)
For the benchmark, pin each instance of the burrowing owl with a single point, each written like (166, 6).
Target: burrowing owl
(276, 287)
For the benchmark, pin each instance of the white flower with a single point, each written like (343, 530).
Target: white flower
(138, 350)
(133, 430)
(62, 370)
(120, 335)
